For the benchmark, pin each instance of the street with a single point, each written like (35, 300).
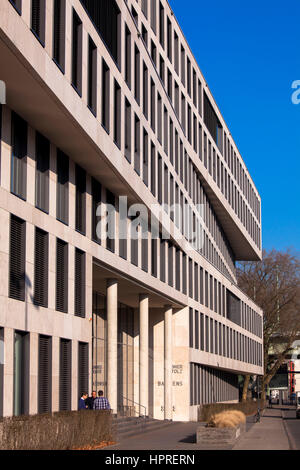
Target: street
(292, 426)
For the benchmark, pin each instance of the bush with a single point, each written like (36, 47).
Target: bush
(56, 431)
(227, 419)
(205, 412)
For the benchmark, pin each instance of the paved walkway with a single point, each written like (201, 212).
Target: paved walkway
(269, 434)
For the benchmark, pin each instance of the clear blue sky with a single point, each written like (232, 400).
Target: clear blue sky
(249, 54)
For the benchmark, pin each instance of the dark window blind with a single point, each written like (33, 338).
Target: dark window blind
(17, 259)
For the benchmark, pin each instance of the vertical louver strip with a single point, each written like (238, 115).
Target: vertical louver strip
(65, 375)
(45, 375)
(38, 11)
(77, 52)
(41, 269)
(79, 283)
(17, 259)
(96, 202)
(62, 211)
(19, 160)
(59, 33)
(83, 368)
(42, 173)
(62, 276)
(80, 199)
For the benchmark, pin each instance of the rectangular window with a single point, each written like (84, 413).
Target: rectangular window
(145, 91)
(191, 328)
(41, 268)
(161, 25)
(153, 169)
(127, 130)
(59, 28)
(212, 122)
(170, 264)
(177, 270)
(162, 260)
(105, 95)
(65, 375)
(117, 115)
(38, 16)
(153, 15)
(169, 38)
(111, 202)
(145, 158)
(137, 145)
(127, 56)
(145, 254)
(18, 156)
(17, 258)
(96, 207)
(106, 17)
(159, 174)
(153, 111)
(18, 5)
(159, 118)
(80, 181)
(202, 332)
(92, 76)
(137, 62)
(21, 373)
(77, 53)
(62, 196)
(79, 283)
(42, 153)
(62, 259)
(154, 258)
(83, 368)
(45, 375)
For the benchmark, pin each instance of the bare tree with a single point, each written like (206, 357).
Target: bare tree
(274, 285)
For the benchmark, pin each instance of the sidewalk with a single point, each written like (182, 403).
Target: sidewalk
(269, 434)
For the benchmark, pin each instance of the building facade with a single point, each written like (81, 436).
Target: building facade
(124, 206)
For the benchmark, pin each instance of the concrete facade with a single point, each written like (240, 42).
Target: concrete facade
(170, 329)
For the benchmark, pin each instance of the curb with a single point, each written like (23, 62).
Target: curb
(291, 440)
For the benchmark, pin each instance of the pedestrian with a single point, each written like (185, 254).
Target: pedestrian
(90, 400)
(101, 402)
(81, 403)
(270, 401)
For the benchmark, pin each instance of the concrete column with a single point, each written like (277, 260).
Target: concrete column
(144, 354)
(168, 408)
(112, 346)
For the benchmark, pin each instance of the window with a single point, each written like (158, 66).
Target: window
(18, 158)
(162, 259)
(59, 33)
(62, 276)
(127, 130)
(83, 368)
(110, 240)
(79, 283)
(145, 91)
(38, 13)
(127, 56)
(153, 15)
(62, 196)
(65, 375)
(92, 76)
(105, 15)
(145, 158)
(17, 258)
(21, 373)
(153, 52)
(212, 122)
(233, 308)
(96, 202)
(77, 53)
(137, 137)
(161, 25)
(170, 264)
(18, 5)
(153, 169)
(105, 95)
(169, 38)
(137, 62)
(154, 257)
(42, 152)
(45, 375)
(80, 215)
(145, 8)
(117, 114)
(41, 268)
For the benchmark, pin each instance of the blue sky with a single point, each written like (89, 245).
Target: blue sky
(249, 54)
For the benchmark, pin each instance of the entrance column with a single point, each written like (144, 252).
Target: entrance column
(168, 408)
(112, 343)
(144, 354)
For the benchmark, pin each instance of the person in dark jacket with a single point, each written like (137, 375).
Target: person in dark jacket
(81, 403)
(90, 400)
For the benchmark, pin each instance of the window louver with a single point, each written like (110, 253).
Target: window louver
(19, 160)
(80, 200)
(17, 259)
(41, 269)
(62, 187)
(79, 283)
(42, 172)
(45, 374)
(83, 368)
(62, 276)
(38, 19)
(65, 375)
(96, 197)
(59, 33)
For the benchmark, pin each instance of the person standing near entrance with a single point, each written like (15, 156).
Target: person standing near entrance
(81, 403)
(90, 400)
(101, 402)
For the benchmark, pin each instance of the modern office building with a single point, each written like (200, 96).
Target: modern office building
(106, 107)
